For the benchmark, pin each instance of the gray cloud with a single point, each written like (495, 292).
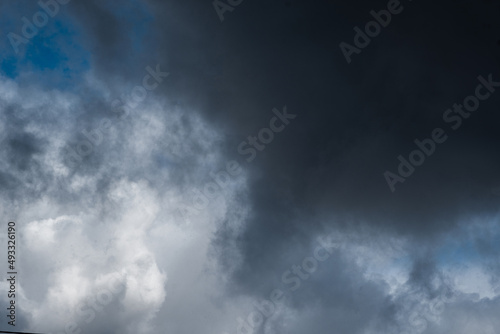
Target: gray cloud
(322, 176)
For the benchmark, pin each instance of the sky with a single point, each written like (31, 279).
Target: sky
(241, 167)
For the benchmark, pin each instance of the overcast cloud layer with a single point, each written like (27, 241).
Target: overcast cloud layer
(234, 166)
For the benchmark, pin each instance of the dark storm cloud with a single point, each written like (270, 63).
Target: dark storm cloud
(20, 150)
(111, 28)
(354, 120)
(325, 170)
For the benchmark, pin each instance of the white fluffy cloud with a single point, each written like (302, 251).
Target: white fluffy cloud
(93, 255)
